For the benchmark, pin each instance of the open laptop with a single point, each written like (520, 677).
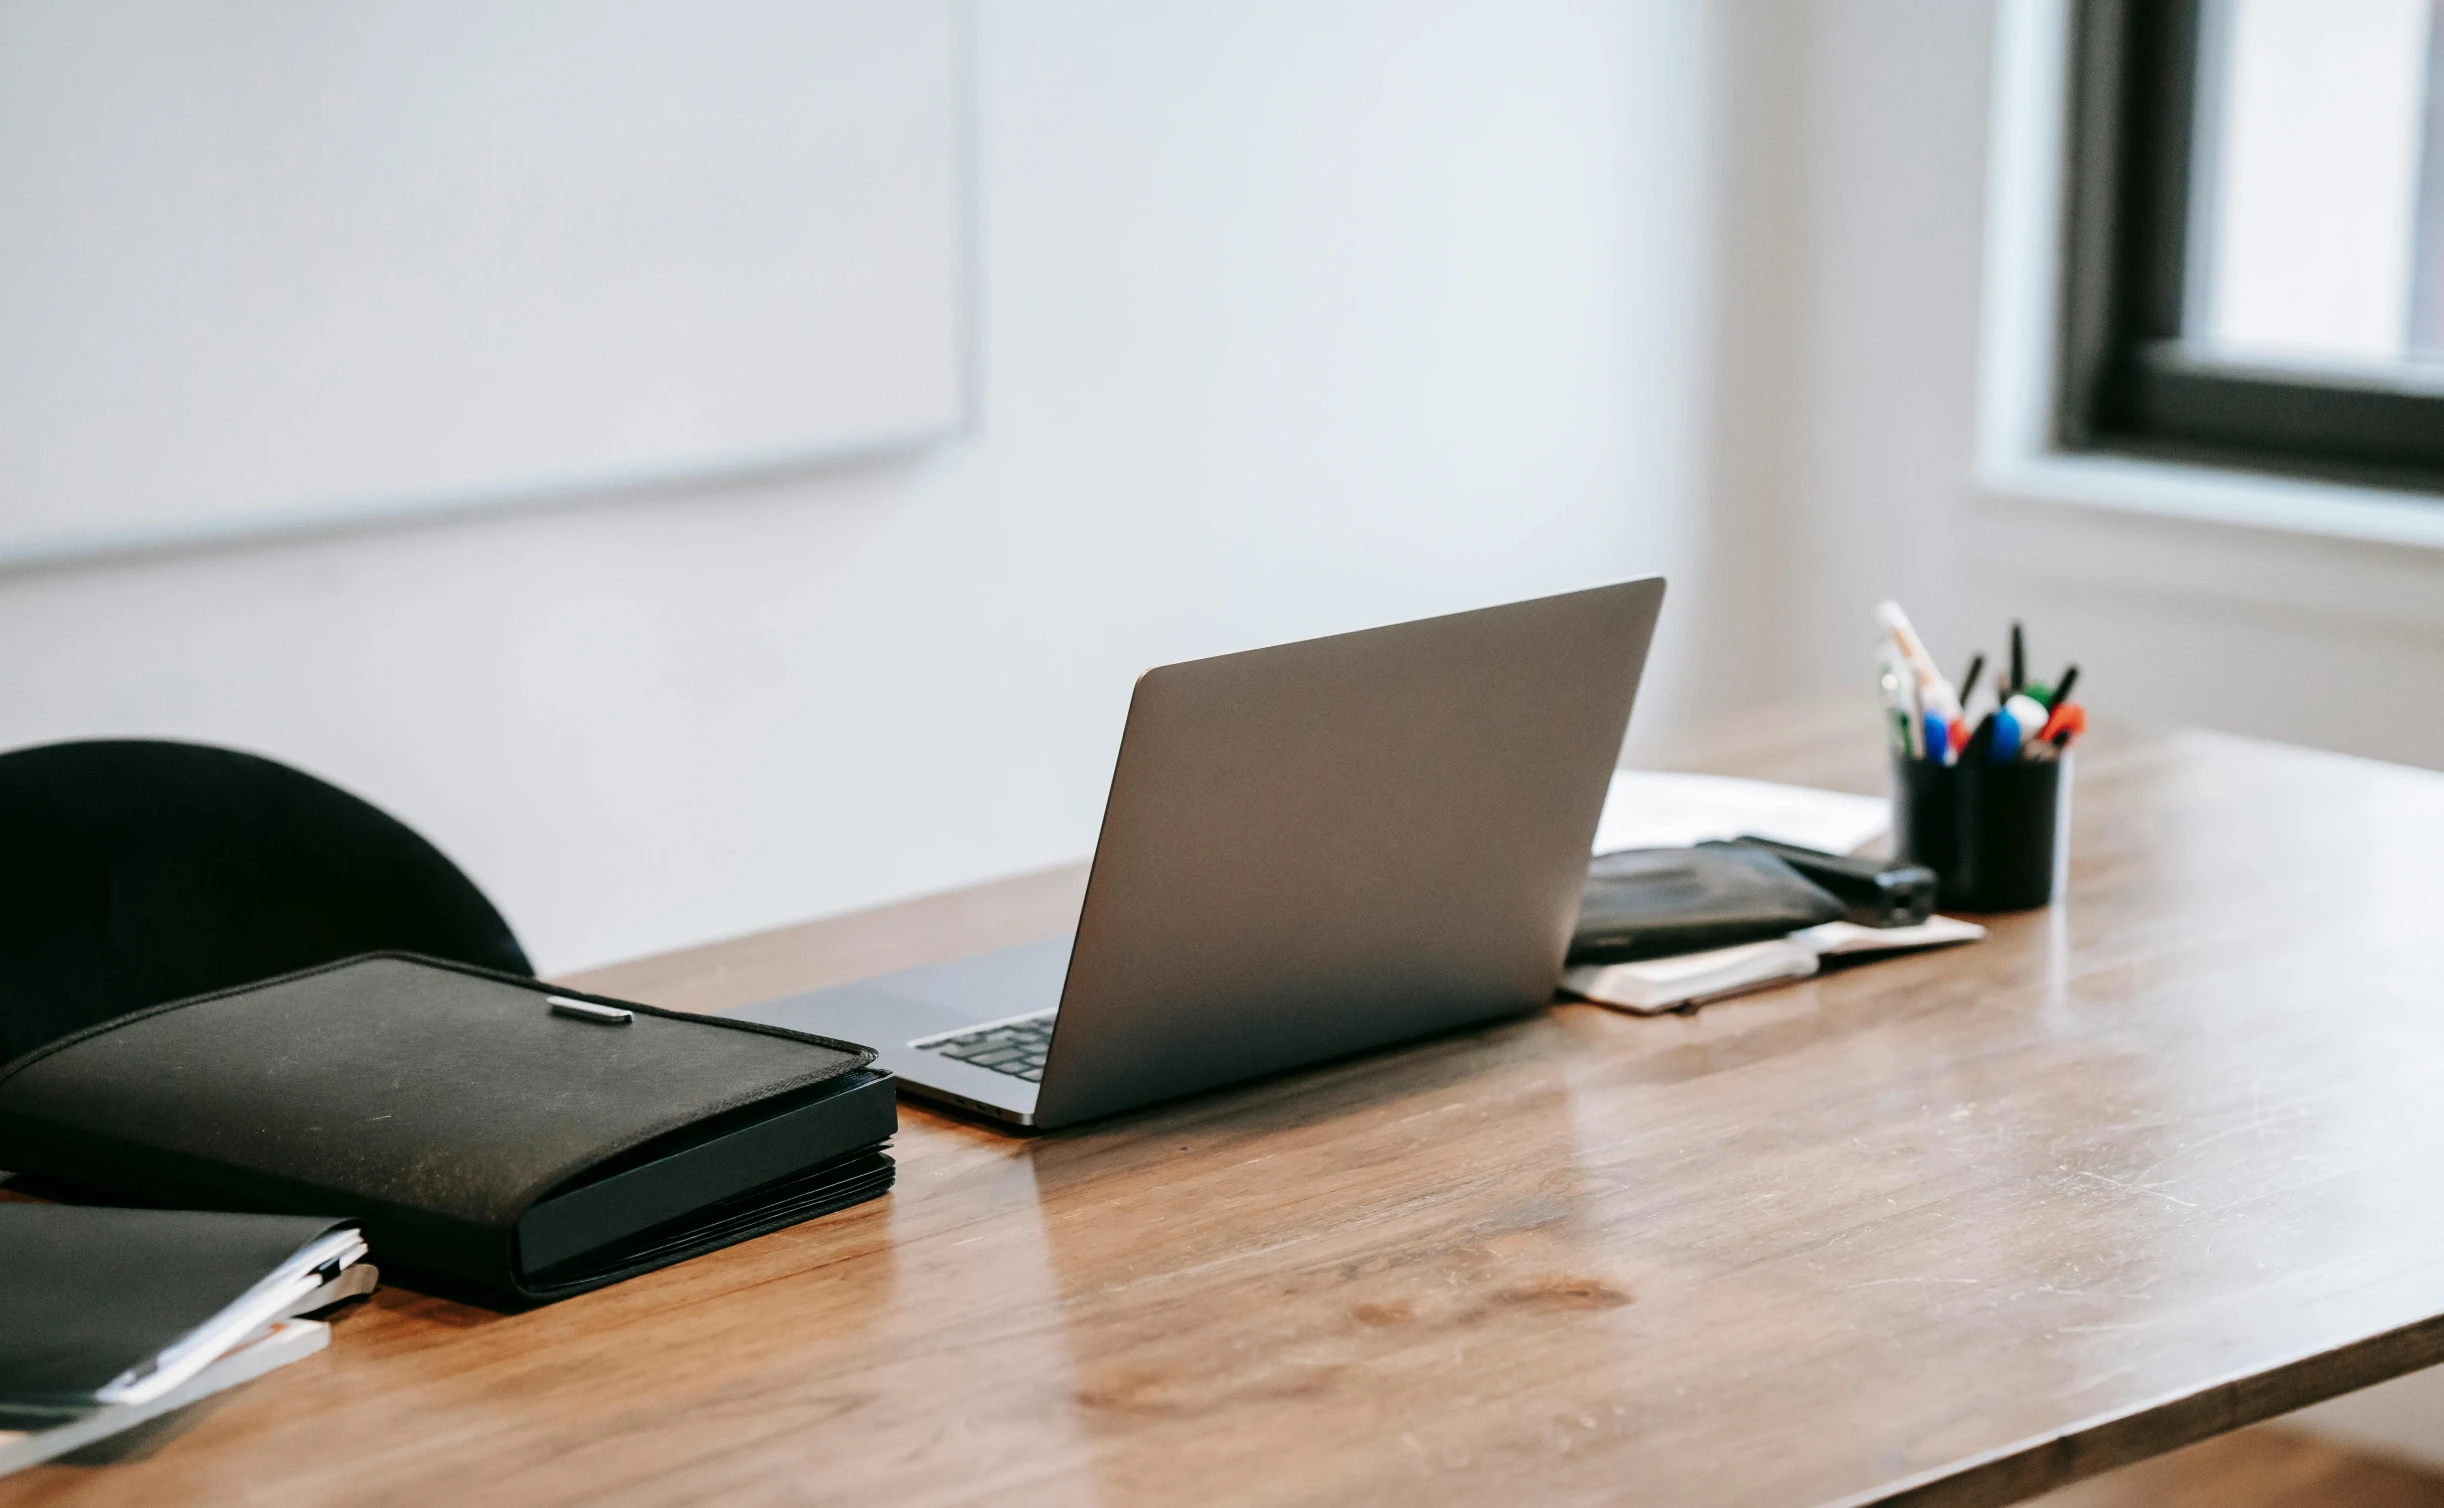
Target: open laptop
(1308, 851)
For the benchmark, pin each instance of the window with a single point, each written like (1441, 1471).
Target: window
(2254, 269)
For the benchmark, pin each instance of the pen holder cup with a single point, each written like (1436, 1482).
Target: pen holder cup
(1998, 836)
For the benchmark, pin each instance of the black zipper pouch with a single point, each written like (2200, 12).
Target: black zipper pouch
(1661, 902)
(484, 1136)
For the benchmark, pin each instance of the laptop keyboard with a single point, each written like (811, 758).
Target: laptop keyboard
(1015, 1047)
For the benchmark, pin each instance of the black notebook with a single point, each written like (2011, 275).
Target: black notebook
(486, 1130)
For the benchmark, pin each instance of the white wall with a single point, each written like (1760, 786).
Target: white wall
(1294, 318)
(2329, 642)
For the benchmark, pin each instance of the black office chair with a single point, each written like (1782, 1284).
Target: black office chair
(134, 872)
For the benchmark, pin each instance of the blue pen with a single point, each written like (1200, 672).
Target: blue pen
(1938, 739)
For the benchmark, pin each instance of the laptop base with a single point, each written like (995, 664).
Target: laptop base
(893, 1011)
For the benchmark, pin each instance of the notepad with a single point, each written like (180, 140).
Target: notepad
(1653, 985)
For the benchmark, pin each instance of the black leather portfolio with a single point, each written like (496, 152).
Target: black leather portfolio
(87, 1295)
(1660, 902)
(486, 1130)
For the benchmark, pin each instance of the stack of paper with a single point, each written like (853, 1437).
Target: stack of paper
(1652, 985)
(274, 1345)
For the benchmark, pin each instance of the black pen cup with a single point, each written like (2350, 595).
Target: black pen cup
(1998, 836)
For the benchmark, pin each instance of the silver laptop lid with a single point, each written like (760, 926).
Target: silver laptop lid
(1326, 846)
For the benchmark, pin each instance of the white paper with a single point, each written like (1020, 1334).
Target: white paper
(1651, 985)
(275, 1295)
(1661, 809)
(1850, 937)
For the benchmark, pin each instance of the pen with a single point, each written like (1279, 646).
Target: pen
(1968, 683)
(1934, 692)
(2062, 687)
(1896, 718)
(2019, 663)
(1913, 720)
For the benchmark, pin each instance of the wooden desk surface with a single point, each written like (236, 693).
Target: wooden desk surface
(1954, 1228)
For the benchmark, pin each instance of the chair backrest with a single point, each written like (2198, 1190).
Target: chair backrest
(134, 872)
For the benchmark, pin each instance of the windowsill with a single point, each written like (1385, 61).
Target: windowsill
(2238, 499)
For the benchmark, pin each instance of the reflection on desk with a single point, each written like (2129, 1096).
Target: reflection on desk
(2135, 1170)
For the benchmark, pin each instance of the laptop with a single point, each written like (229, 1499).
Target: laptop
(1308, 851)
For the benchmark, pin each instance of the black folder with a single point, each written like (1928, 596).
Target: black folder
(89, 1294)
(482, 1134)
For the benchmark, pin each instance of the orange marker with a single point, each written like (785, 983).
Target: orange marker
(2068, 721)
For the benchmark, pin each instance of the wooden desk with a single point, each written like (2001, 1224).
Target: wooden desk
(1954, 1229)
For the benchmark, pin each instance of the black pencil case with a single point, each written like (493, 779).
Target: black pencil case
(1873, 892)
(483, 1138)
(1660, 902)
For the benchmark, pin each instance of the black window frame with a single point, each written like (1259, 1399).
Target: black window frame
(2126, 384)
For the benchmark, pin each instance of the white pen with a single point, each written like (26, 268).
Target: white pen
(1933, 688)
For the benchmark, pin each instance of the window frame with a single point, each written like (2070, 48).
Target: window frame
(2126, 384)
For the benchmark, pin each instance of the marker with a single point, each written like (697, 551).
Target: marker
(2029, 713)
(2064, 723)
(2019, 663)
(2004, 746)
(1981, 742)
(1968, 683)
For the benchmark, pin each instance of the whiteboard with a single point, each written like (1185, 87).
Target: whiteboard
(266, 263)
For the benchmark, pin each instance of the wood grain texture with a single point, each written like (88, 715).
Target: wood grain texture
(2268, 1467)
(1955, 1228)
